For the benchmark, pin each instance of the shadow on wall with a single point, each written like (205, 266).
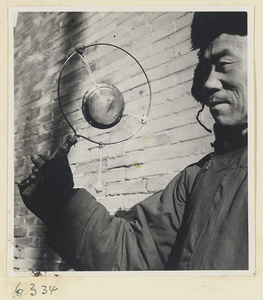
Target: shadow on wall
(41, 45)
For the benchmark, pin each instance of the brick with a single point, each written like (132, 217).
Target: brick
(134, 144)
(159, 46)
(19, 162)
(18, 221)
(42, 137)
(18, 253)
(185, 20)
(18, 200)
(140, 18)
(123, 132)
(40, 253)
(172, 121)
(156, 168)
(185, 103)
(140, 53)
(127, 187)
(185, 75)
(163, 110)
(22, 242)
(137, 108)
(151, 16)
(136, 81)
(113, 175)
(81, 157)
(74, 19)
(20, 231)
(182, 35)
(124, 22)
(129, 44)
(150, 62)
(142, 30)
(182, 62)
(36, 230)
(99, 35)
(20, 263)
(164, 83)
(89, 167)
(90, 180)
(76, 28)
(156, 140)
(183, 48)
(145, 131)
(168, 17)
(188, 132)
(138, 92)
(187, 148)
(117, 77)
(161, 71)
(21, 210)
(134, 172)
(32, 219)
(129, 159)
(174, 92)
(37, 242)
(163, 31)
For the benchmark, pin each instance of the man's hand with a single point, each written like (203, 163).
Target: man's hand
(48, 187)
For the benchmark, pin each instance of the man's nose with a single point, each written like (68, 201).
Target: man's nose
(212, 83)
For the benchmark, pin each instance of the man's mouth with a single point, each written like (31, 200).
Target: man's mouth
(215, 101)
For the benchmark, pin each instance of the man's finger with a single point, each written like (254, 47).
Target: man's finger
(35, 170)
(38, 160)
(32, 177)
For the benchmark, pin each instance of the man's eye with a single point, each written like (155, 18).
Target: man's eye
(223, 65)
(225, 62)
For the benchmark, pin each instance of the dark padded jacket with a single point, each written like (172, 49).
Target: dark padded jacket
(198, 222)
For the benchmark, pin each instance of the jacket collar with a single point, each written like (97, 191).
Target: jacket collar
(228, 139)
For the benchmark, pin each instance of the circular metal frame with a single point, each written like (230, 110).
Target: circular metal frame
(83, 48)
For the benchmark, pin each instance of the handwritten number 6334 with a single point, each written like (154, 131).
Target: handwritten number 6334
(34, 290)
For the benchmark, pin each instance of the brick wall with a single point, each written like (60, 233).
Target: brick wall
(132, 170)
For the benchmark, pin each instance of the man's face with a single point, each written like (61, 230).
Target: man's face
(225, 79)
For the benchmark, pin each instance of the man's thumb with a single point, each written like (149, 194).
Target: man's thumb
(38, 160)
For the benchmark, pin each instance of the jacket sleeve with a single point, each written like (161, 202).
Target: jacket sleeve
(88, 238)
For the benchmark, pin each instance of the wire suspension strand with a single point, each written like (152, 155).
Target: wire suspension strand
(86, 64)
(99, 185)
(59, 96)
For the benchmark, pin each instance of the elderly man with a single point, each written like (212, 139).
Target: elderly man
(200, 220)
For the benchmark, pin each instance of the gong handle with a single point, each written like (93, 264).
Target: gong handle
(65, 147)
(28, 186)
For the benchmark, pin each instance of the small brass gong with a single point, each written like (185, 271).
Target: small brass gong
(103, 105)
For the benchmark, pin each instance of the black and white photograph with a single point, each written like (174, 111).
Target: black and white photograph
(131, 141)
